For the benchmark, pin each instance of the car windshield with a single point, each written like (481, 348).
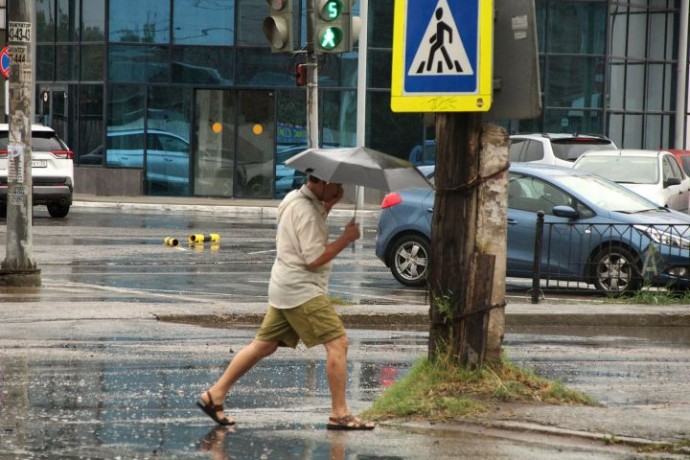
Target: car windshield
(622, 169)
(605, 194)
(571, 149)
(41, 141)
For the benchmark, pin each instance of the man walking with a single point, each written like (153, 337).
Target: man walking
(299, 307)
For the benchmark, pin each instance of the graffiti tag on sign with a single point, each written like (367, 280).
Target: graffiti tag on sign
(19, 32)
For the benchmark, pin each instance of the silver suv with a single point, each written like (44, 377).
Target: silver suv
(52, 170)
(555, 149)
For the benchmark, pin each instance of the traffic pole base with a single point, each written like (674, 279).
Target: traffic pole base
(30, 278)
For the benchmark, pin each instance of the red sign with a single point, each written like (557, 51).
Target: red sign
(5, 62)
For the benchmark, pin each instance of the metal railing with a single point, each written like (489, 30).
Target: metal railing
(610, 258)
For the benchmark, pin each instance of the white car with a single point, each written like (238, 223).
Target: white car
(554, 148)
(52, 170)
(654, 174)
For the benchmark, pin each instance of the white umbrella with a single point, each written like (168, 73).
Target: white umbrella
(359, 166)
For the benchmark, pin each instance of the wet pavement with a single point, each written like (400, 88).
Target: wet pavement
(87, 369)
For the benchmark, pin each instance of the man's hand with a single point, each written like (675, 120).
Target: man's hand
(351, 231)
(328, 204)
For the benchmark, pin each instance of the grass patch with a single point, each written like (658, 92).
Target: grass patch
(653, 296)
(440, 391)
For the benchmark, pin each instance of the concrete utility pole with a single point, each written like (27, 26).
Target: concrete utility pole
(19, 268)
(467, 273)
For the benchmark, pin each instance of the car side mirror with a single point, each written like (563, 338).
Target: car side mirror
(565, 211)
(671, 181)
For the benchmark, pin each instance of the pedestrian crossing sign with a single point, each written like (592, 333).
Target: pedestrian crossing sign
(442, 56)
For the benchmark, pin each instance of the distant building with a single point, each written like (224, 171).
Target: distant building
(184, 97)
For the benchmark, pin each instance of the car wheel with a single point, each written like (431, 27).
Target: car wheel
(615, 270)
(409, 260)
(58, 210)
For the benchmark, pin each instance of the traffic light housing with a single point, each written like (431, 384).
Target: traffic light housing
(279, 26)
(300, 74)
(334, 30)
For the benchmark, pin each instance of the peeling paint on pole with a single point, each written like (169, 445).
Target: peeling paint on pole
(19, 268)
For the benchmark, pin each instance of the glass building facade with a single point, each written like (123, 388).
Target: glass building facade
(188, 92)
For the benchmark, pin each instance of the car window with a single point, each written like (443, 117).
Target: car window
(42, 141)
(685, 161)
(172, 144)
(534, 151)
(571, 149)
(622, 169)
(516, 146)
(671, 168)
(531, 194)
(126, 142)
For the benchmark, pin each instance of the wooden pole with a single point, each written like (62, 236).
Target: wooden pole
(468, 240)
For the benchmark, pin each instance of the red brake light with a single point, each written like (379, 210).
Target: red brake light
(63, 154)
(3, 153)
(391, 199)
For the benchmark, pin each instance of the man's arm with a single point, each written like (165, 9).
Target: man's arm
(350, 234)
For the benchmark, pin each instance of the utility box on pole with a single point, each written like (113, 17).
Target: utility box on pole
(19, 268)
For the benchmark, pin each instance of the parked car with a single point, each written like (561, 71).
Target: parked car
(554, 149)
(683, 157)
(654, 174)
(597, 232)
(52, 170)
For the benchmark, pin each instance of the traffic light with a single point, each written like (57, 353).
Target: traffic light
(300, 74)
(331, 26)
(279, 26)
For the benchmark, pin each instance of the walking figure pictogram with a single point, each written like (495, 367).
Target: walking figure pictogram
(438, 43)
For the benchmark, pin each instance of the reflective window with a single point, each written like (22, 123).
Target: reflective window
(90, 132)
(260, 67)
(45, 62)
(534, 151)
(339, 118)
(93, 21)
(379, 69)
(577, 27)
(67, 20)
(250, 17)
(45, 20)
(92, 62)
(381, 35)
(200, 65)
(138, 63)
(66, 62)
(150, 23)
(168, 129)
(204, 22)
(291, 138)
(391, 133)
(255, 144)
(214, 148)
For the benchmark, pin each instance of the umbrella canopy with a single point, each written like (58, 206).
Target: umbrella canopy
(359, 166)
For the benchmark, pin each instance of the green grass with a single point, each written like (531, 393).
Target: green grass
(441, 391)
(650, 296)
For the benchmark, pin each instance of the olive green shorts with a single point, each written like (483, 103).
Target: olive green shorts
(315, 322)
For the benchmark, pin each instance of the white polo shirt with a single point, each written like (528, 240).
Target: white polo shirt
(301, 238)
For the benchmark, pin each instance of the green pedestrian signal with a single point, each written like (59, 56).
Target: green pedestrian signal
(330, 38)
(332, 26)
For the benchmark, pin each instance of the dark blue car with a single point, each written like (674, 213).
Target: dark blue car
(595, 232)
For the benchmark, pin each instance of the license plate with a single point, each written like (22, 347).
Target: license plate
(39, 163)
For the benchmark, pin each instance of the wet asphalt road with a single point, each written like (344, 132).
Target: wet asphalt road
(92, 388)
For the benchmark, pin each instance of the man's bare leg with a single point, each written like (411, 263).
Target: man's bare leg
(245, 359)
(336, 372)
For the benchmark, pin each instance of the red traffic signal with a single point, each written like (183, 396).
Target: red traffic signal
(300, 74)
